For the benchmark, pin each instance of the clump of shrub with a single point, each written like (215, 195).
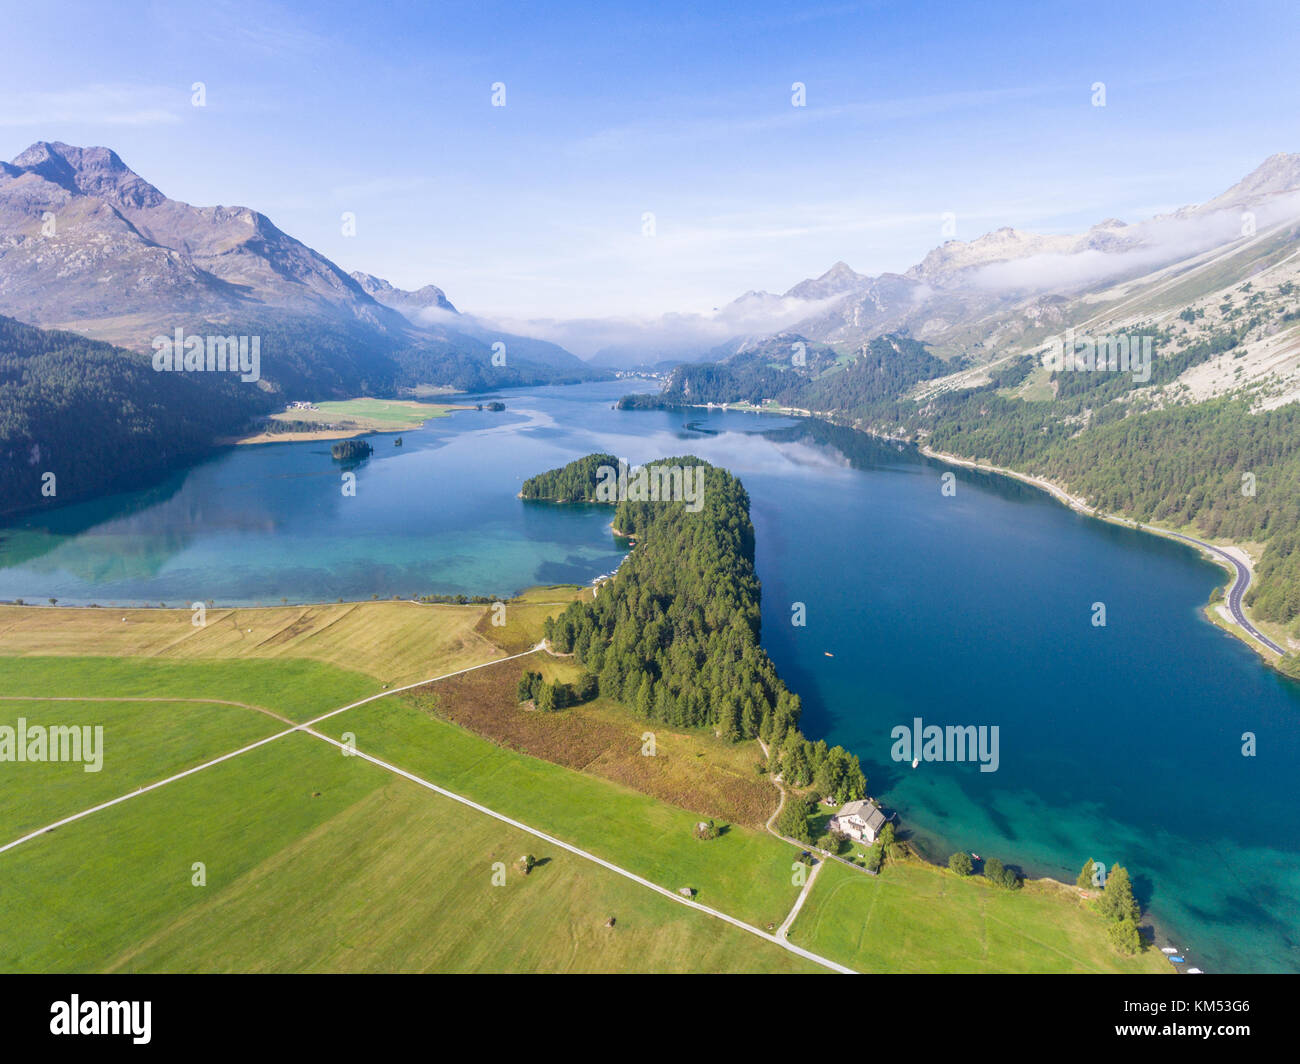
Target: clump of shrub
(833, 842)
(961, 863)
(999, 875)
(549, 697)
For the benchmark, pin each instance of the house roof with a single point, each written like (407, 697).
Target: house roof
(865, 811)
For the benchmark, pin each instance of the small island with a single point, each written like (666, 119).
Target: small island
(351, 450)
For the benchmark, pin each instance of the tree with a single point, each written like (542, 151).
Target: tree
(888, 844)
(1117, 901)
(961, 863)
(833, 842)
(1124, 936)
(1085, 876)
(993, 870)
(793, 821)
(588, 687)
(545, 697)
(528, 683)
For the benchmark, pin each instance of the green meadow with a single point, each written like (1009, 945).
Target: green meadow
(318, 862)
(294, 688)
(142, 742)
(915, 917)
(743, 872)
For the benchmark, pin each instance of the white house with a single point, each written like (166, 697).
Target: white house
(861, 820)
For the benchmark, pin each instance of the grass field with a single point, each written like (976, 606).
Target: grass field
(298, 690)
(525, 615)
(351, 417)
(745, 873)
(918, 918)
(320, 862)
(317, 862)
(393, 642)
(142, 742)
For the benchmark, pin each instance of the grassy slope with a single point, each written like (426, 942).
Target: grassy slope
(918, 918)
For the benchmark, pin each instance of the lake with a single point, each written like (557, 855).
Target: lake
(1121, 743)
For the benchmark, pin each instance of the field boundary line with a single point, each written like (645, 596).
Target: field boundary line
(304, 726)
(587, 855)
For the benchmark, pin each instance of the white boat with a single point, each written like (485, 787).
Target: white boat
(1168, 949)
(916, 761)
(1194, 971)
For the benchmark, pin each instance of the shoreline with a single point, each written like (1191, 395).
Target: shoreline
(1228, 556)
(440, 410)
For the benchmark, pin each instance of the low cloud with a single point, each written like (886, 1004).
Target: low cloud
(627, 341)
(1137, 248)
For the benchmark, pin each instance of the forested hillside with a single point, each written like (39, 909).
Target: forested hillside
(675, 634)
(99, 417)
(1214, 467)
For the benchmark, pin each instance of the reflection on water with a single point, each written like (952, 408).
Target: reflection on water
(1120, 744)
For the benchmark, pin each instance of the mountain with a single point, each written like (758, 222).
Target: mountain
(429, 307)
(402, 301)
(951, 354)
(88, 245)
(988, 298)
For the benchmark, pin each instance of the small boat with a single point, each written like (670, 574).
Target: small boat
(915, 761)
(828, 653)
(1176, 959)
(977, 857)
(1168, 949)
(1194, 971)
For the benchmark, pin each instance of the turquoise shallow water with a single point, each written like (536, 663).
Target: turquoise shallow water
(1119, 743)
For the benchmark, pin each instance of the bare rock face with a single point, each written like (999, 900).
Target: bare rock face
(400, 299)
(88, 244)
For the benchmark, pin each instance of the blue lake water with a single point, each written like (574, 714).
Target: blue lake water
(1121, 743)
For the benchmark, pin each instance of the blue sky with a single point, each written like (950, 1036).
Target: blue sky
(683, 110)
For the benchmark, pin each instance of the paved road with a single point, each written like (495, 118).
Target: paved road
(1236, 591)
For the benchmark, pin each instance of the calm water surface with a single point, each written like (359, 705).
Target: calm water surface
(1120, 743)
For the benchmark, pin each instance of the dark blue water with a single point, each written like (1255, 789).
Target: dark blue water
(1121, 743)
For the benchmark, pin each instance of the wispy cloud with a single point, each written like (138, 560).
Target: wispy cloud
(662, 132)
(94, 105)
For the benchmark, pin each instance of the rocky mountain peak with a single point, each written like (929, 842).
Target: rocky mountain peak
(88, 171)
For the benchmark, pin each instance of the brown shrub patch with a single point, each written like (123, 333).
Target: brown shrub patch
(690, 769)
